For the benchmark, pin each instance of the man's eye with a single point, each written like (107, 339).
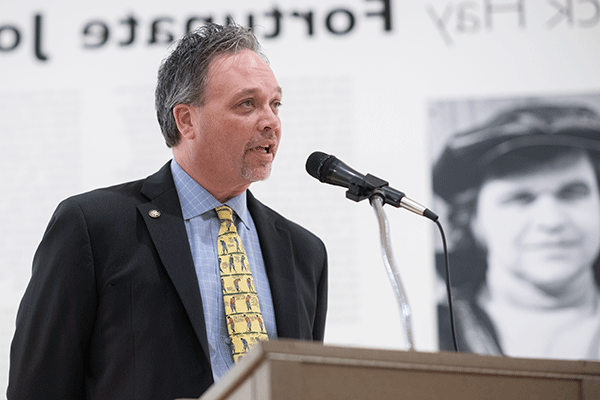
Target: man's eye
(247, 103)
(521, 198)
(574, 191)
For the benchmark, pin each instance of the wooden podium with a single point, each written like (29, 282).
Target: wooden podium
(294, 370)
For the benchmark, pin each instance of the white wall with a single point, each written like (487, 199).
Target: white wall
(83, 118)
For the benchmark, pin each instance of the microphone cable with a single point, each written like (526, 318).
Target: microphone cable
(448, 286)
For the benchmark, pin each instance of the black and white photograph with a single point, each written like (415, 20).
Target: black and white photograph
(518, 179)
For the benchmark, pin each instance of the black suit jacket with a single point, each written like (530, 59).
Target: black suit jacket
(113, 308)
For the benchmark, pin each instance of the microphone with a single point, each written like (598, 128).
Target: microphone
(328, 169)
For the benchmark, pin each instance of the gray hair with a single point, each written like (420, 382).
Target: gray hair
(182, 76)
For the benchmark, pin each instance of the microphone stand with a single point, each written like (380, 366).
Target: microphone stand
(373, 188)
(377, 201)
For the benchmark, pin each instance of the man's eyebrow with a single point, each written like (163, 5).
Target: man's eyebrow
(575, 183)
(248, 91)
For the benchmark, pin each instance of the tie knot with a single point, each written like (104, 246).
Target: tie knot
(225, 213)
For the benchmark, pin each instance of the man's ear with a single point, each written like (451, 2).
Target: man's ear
(183, 114)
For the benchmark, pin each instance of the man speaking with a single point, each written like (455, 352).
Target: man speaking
(153, 289)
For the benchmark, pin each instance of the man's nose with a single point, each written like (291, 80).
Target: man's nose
(550, 213)
(269, 121)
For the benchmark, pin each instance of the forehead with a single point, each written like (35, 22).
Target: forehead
(245, 70)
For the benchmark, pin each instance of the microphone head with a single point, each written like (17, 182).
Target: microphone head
(314, 164)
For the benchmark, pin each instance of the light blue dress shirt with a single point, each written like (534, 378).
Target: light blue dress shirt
(202, 225)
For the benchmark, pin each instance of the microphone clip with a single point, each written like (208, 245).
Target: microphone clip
(361, 189)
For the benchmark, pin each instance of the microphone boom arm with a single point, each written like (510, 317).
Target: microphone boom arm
(392, 269)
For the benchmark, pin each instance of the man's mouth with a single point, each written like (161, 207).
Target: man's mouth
(264, 149)
(553, 244)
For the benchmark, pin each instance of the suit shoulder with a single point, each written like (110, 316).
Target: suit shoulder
(109, 204)
(108, 196)
(128, 193)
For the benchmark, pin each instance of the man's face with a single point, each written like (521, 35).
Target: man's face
(238, 127)
(541, 224)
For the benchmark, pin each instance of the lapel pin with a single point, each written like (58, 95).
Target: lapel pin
(154, 214)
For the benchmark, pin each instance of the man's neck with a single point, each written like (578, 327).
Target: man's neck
(221, 190)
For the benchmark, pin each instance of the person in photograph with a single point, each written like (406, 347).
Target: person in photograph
(524, 207)
(126, 299)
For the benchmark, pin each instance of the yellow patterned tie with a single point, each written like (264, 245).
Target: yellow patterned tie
(242, 311)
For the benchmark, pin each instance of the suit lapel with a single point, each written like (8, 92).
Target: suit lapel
(170, 238)
(277, 251)
(168, 233)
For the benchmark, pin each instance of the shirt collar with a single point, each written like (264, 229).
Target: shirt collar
(195, 200)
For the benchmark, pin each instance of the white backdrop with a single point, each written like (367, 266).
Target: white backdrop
(76, 113)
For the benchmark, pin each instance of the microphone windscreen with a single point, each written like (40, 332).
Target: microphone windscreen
(314, 163)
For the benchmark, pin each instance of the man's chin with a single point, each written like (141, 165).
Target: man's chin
(256, 174)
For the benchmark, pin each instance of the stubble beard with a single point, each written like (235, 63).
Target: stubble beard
(255, 174)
